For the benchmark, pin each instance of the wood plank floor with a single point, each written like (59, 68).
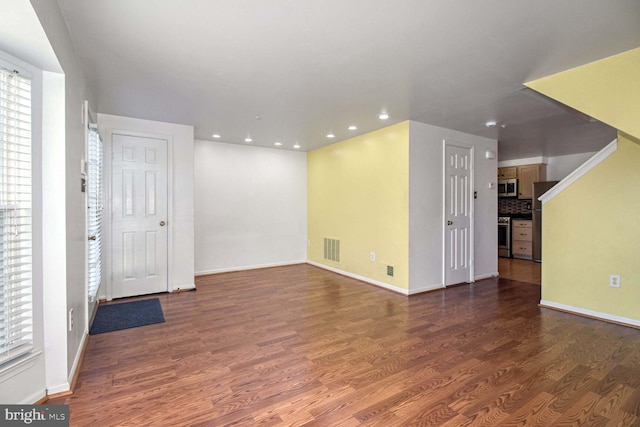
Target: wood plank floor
(520, 269)
(300, 346)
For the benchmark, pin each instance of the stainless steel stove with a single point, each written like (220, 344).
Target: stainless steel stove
(504, 236)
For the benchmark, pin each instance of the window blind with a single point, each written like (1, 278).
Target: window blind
(16, 328)
(95, 208)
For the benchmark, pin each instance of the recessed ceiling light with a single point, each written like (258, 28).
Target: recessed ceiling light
(248, 139)
(353, 127)
(491, 124)
(330, 135)
(383, 116)
(277, 143)
(215, 135)
(296, 146)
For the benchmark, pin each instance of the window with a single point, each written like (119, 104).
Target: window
(94, 213)
(16, 329)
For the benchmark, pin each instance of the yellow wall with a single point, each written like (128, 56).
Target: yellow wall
(592, 230)
(608, 90)
(358, 192)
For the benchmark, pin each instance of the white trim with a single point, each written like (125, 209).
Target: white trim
(107, 217)
(471, 148)
(21, 364)
(591, 313)
(188, 287)
(427, 288)
(594, 161)
(34, 397)
(487, 276)
(76, 362)
(522, 162)
(11, 62)
(361, 278)
(249, 267)
(60, 388)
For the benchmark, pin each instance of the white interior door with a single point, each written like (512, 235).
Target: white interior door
(138, 215)
(458, 214)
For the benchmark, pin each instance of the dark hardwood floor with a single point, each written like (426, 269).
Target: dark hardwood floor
(300, 346)
(520, 269)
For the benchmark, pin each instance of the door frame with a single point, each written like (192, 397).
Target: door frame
(456, 143)
(108, 191)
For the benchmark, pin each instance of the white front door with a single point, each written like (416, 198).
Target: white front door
(457, 216)
(139, 216)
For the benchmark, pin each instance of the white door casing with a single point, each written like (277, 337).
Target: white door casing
(139, 228)
(458, 214)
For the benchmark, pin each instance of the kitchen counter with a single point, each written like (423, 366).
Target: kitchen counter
(524, 216)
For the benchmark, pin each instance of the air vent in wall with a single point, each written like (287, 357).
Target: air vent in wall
(332, 249)
(389, 270)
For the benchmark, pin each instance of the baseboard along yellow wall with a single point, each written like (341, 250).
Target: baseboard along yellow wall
(358, 193)
(590, 231)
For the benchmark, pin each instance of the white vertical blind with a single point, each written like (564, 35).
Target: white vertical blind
(95, 208)
(16, 328)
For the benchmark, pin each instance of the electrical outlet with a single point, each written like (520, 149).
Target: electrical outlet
(70, 319)
(614, 280)
(372, 256)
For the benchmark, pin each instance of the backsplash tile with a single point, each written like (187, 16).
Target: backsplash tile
(514, 206)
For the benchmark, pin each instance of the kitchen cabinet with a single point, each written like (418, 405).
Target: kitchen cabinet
(522, 239)
(527, 175)
(508, 172)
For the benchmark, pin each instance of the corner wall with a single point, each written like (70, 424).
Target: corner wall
(426, 205)
(180, 139)
(591, 230)
(358, 193)
(75, 89)
(250, 207)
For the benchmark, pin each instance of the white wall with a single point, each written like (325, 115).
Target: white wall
(36, 32)
(426, 211)
(560, 166)
(250, 207)
(180, 138)
(76, 92)
(557, 167)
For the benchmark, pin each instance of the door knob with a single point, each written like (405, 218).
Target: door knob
(162, 223)
(449, 222)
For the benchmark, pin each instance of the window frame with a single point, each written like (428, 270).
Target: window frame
(23, 226)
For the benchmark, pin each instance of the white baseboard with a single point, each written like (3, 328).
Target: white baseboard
(361, 278)
(60, 388)
(486, 276)
(76, 365)
(246, 267)
(590, 313)
(426, 289)
(184, 287)
(35, 397)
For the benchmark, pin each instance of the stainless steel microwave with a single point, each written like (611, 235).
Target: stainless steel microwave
(508, 188)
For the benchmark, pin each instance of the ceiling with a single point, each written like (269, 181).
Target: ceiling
(293, 71)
